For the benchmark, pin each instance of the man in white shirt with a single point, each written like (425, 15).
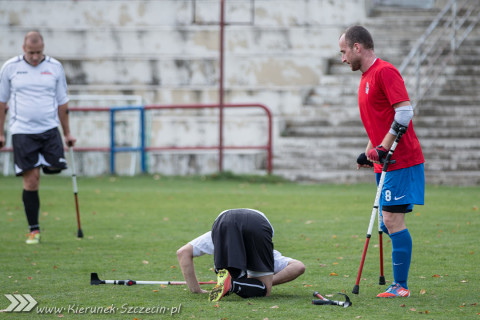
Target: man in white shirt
(36, 87)
(285, 269)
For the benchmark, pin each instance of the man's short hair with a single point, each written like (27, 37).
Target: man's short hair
(358, 34)
(33, 36)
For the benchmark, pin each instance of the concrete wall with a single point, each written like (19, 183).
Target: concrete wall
(166, 51)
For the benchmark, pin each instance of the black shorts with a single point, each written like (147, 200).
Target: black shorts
(242, 239)
(39, 150)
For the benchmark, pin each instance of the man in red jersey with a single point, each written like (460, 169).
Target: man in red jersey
(385, 108)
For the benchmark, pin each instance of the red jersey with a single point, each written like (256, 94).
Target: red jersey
(380, 88)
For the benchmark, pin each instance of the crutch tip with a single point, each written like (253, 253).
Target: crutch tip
(356, 289)
(381, 280)
(80, 233)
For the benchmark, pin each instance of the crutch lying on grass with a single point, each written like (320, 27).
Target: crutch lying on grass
(375, 212)
(94, 280)
(324, 301)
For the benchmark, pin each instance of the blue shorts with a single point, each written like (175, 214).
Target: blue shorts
(403, 186)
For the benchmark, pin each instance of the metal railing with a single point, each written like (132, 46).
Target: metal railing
(437, 46)
(113, 149)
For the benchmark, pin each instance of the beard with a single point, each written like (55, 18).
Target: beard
(355, 65)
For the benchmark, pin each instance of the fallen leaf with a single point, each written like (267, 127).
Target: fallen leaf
(173, 267)
(60, 315)
(464, 281)
(423, 291)
(475, 208)
(307, 285)
(155, 290)
(436, 276)
(333, 274)
(163, 286)
(216, 306)
(426, 312)
(322, 265)
(413, 309)
(309, 222)
(334, 237)
(335, 263)
(403, 305)
(339, 258)
(145, 262)
(274, 307)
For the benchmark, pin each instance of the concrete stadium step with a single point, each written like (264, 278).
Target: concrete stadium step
(449, 101)
(179, 12)
(459, 178)
(143, 42)
(452, 145)
(442, 132)
(438, 165)
(176, 71)
(307, 144)
(448, 111)
(328, 176)
(327, 130)
(447, 122)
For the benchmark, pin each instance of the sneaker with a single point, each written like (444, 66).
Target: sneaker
(393, 291)
(224, 284)
(33, 237)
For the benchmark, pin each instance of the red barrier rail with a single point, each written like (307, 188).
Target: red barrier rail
(268, 147)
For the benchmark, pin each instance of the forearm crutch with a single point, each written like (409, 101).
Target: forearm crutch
(375, 212)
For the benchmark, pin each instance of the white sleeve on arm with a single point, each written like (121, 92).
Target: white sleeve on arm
(280, 262)
(202, 244)
(403, 115)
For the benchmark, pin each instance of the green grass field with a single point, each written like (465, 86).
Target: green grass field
(133, 227)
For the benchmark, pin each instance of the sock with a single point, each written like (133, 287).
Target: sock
(248, 287)
(401, 256)
(31, 203)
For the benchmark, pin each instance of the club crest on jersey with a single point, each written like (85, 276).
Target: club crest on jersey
(367, 88)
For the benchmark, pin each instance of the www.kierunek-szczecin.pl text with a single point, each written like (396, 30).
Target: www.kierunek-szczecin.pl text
(111, 309)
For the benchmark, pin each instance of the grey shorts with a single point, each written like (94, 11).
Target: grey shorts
(39, 150)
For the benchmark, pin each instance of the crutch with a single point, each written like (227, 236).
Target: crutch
(75, 193)
(375, 212)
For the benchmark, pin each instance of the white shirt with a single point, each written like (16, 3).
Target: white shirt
(35, 92)
(204, 245)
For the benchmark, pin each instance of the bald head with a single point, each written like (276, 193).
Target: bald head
(33, 37)
(33, 48)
